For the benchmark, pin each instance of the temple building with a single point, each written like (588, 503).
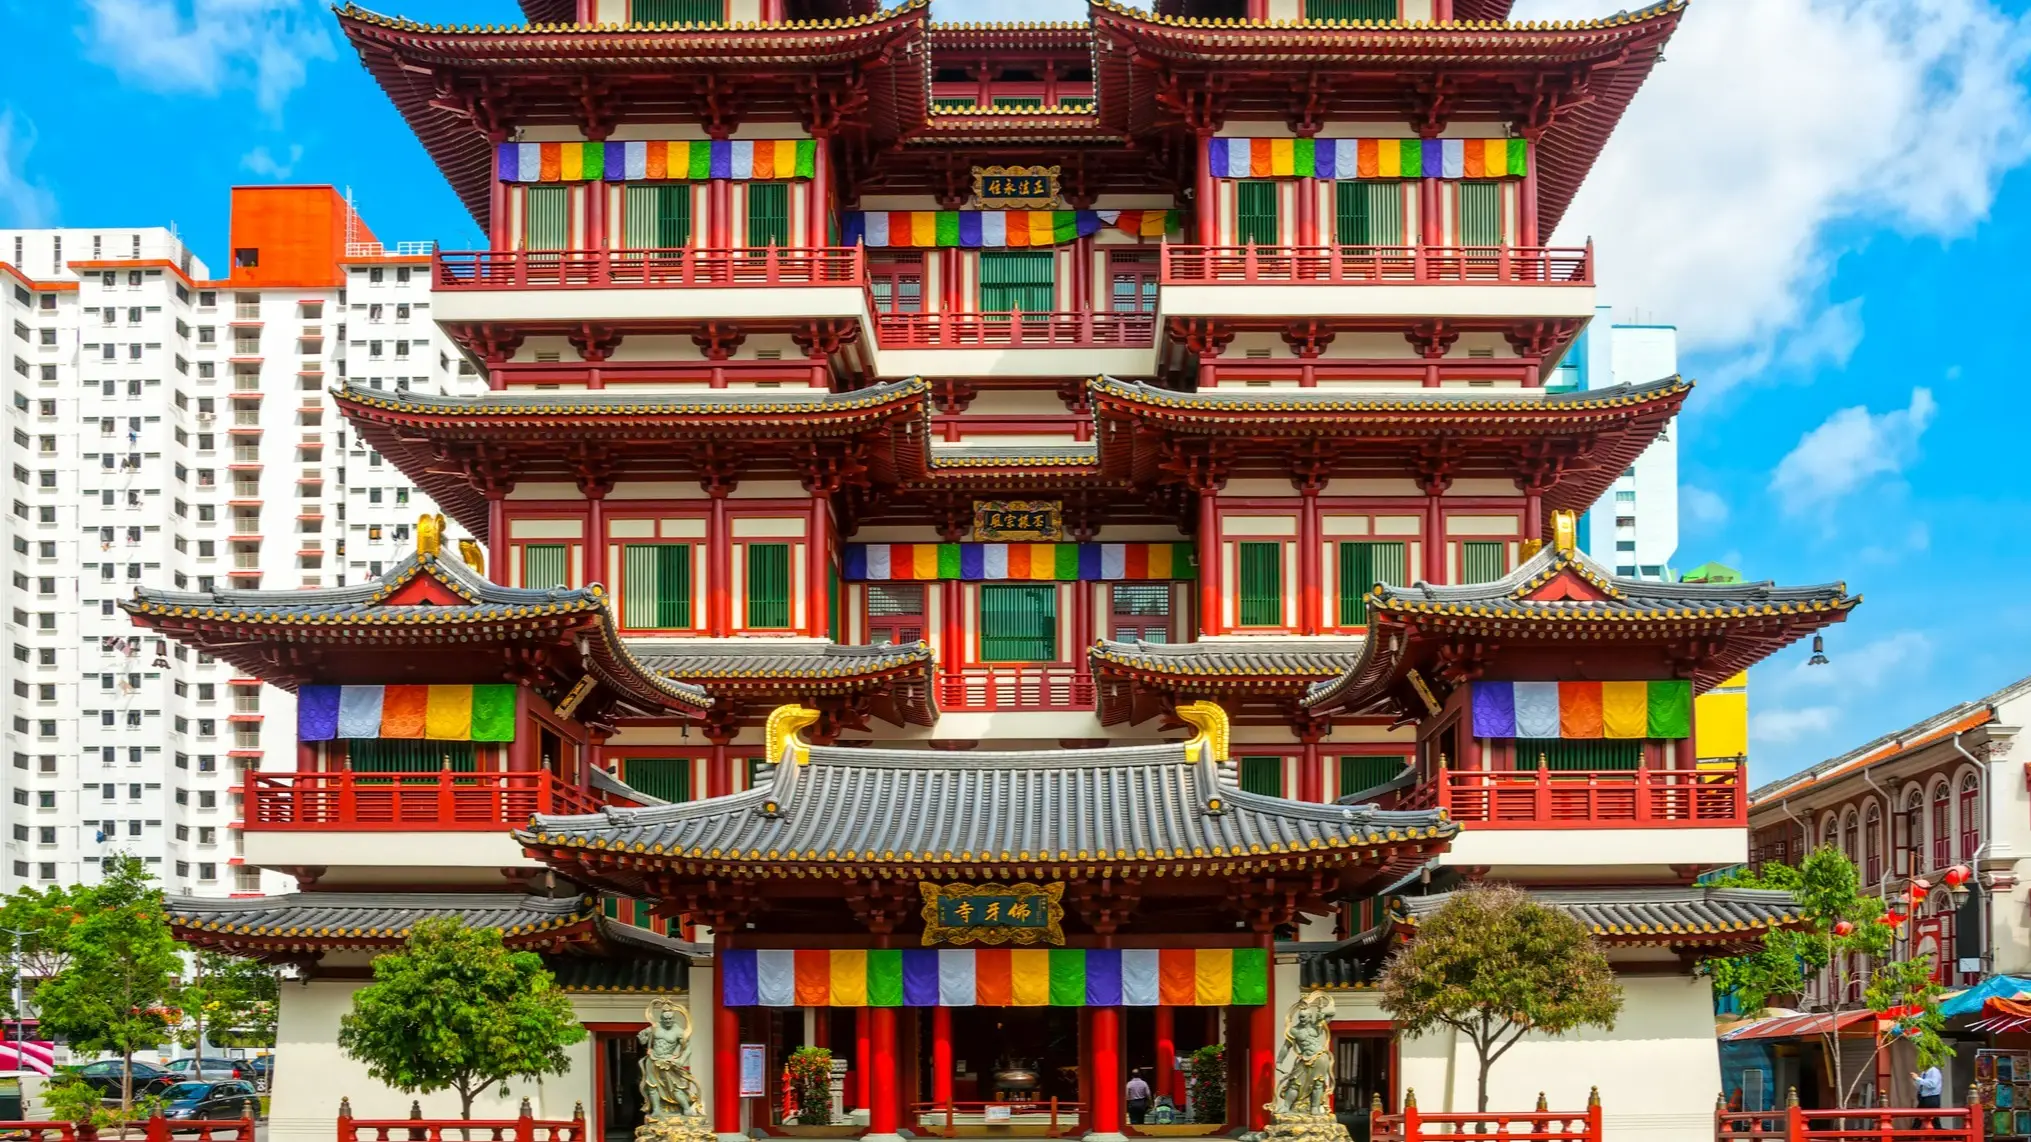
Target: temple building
(1005, 552)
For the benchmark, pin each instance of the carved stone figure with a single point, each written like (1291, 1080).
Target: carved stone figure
(672, 1107)
(1306, 1087)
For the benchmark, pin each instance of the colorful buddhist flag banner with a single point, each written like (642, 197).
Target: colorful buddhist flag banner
(995, 977)
(442, 713)
(1583, 709)
(1368, 158)
(995, 229)
(656, 161)
(883, 562)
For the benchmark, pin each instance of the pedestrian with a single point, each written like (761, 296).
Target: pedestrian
(1138, 1099)
(1930, 1085)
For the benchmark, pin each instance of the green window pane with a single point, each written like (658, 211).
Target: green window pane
(1368, 213)
(659, 216)
(1351, 9)
(409, 755)
(1480, 214)
(656, 586)
(958, 103)
(768, 214)
(664, 778)
(1360, 773)
(768, 585)
(1579, 753)
(1022, 279)
(1017, 102)
(1076, 102)
(678, 11)
(1362, 565)
(546, 565)
(1255, 214)
(546, 218)
(1483, 562)
(1262, 775)
(1018, 623)
(1261, 584)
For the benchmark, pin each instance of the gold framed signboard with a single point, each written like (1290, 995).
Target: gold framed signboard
(993, 913)
(1016, 188)
(1022, 521)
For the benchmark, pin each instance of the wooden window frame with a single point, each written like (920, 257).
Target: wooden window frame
(977, 640)
(695, 512)
(895, 626)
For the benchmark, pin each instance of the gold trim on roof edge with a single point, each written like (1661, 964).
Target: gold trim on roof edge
(401, 24)
(1619, 20)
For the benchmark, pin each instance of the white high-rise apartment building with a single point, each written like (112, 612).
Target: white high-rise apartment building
(171, 428)
(1634, 525)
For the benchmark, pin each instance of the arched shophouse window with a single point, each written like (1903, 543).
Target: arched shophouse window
(1830, 833)
(1851, 838)
(1970, 819)
(1907, 832)
(1942, 836)
(1872, 841)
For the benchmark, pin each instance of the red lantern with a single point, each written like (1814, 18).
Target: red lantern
(1891, 919)
(1957, 875)
(1844, 928)
(1917, 892)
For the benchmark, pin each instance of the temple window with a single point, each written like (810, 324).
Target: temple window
(1480, 221)
(546, 218)
(1140, 611)
(895, 613)
(767, 586)
(666, 778)
(1261, 601)
(1369, 213)
(1018, 623)
(1362, 565)
(659, 216)
(1262, 775)
(677, 11)
(1359, 772)
(768, 214)
(897, 284)
(1483, 562)
(1255, 214)
(410, 755)
(1017, 280)
(656, 586)
(1351, 9)
(1132, 282)
(1582, 754)
(546, 565)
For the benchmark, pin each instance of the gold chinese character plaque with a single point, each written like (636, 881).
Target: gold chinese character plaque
(1016, 188)
(993, 913)
(1018, 521)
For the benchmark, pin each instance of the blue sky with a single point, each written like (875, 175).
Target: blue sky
(1829, 198)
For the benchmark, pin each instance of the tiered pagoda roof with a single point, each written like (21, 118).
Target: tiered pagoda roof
(1141, 680)
(448, 622)
(893, 681)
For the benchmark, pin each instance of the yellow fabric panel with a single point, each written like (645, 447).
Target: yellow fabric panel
(447, 713)
(1214, 976)
(1030, 977)
(924, 561)
(849, 977)
(1159, 560)
(1625, 709)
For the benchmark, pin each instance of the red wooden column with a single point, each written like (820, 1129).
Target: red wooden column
(884, 1067)
(1262, 1046)
(818, 214)
(719, 568)
(1311, 575)
(1203, 194)
(1526, 195)
(725, 1051)
(941, 1056)
(1167, 1052)
(595, 215)
(595, 540)
(863, 1062)
(497, 216)
(1435, 536)
(1209, 562)
(818, 585)
(1103, 1060)
(497, 537)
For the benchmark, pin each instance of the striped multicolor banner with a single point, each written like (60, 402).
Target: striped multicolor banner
(1583, 709)
(1368, 158)
(995, 977)
(654, 160)
(972, 229)
(878, 562)
(444, 713)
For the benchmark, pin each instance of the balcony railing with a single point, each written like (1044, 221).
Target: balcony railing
(1016, 330)
(1586, 799)
(1379, 265)
(656, 269)
(1540, 1125)
(347, 801)
(1016, 688)
(1855, 1124)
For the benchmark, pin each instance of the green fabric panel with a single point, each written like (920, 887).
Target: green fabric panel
(593, 164)
(1413, 158)
(1671, 709)
(1068, 977)
(1262, 775)
(1184, 561)
(948, 227)
(1066, 564)
(1064, 226)
(948, 561)
(885, 977)
(1251, 976)
(667, 778)
(493, 713)
(700, 165)
(1519, 157)
(807, 158)
(1304, 157)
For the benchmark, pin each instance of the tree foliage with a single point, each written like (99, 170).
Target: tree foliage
(458, 1011)
(1206, 1071)
(40, 921)
(1494, 965)
(69, 1098)
(229, 1002)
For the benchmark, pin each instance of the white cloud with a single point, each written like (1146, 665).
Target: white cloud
(24, 201)
(1768, 124)
(1848, 449)
(260, 162)
(1780, 727)
(1798, 701)
(206, 46)
(1701, 507)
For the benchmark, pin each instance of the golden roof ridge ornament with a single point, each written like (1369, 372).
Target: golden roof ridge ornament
(430, 535)
(781, 730)
(1211, 722)
(1565, 530)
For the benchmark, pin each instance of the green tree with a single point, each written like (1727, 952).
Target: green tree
(1495, 965)
(229, 1002)
(116, 990)
(1206, 1070)
(37, 924)
(458, 1011)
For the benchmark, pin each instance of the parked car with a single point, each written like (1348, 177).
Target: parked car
(260, 1069)
(207, 1070)
(231, 1099)
(105, 1075)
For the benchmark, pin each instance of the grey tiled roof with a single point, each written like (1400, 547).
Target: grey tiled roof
(1926, 730)
(864, 805)
(361, 601)
(1657, 913)
(625, 402)
(1315, 400)
(1260, 656)
(606, 782)
(987, 454)
(372, 915)
(761, 658)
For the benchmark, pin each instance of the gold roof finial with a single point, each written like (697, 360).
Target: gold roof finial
(1211, 722)
(1565, 531)
(781, 730)
(429, 535)
(473, 556)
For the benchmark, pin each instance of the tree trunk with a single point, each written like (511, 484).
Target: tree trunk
(1481, 1085)
(126, 1083)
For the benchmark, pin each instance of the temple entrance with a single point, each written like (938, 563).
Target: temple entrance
(620, 1097)
(1014, 1070)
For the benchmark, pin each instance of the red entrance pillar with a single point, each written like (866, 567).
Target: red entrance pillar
(863, 1060)
(941, 1056)
(725, 1056)
(1103, 1060)
(1262, 1049)
(883, 1096)
(1167, 1053)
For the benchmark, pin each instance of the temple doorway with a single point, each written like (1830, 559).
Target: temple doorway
(620, 1096)
(1013, 1054)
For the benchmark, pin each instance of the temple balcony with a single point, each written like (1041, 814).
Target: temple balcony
(1016, 689)
(1016, 344)
(634, 286)
(1378, 282)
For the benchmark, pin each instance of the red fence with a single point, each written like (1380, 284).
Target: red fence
(157, 1129)
(1016, 688)
(1540, 1125)
(416, 1128)
(624, 269)
(447, 799)
(1862, 1124)
(1380, 265)
(1581, 799)
(1045, 1118)
(1016, 330)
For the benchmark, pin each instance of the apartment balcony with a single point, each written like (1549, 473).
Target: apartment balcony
(1377, 282)
(1691, 817)
(1018, 344)
(455, 819)
(1029, 689)
(552, 287)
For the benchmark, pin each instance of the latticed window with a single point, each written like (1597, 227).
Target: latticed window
(1905, 831)
(768, 214)
(1351, 9)
(656, 586)
(1255, 222)
(1483, 562)
(1023, 280)
(1133, 284)
(664, 778)
(1480, 213)
(1872, 845)
(1362, 565)
(1261, 584)
(409, 755)
(897, 285)
(677, 11)
(1362, 772)
(546, 565)
(1262, 775)
(1140, 611)
(1942, 838)
(1368, 213)
(659, 216)
(1018, 623)
(895, 613)
(768, 586)
(1579, 753)
(1970, 816)
(546, 218)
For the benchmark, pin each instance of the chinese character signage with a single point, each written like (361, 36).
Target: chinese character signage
(1016, 188)
(993, 913)
(1031, 521)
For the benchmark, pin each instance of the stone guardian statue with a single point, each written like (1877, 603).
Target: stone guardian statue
(1303, 1106)
(672, 1107)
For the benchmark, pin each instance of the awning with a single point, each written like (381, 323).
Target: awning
(1975, 999)
(1799, 1026)
(2000, 1014)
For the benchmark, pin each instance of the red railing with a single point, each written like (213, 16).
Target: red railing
(1583, 799)
(625, 269)
(157, 1129)
(416, 1128)
(1016, 330)
(1016, 688)
(1540, 1125)
(1053, 1118)
(1861, 1124)
(447, 799)
(1380, 265)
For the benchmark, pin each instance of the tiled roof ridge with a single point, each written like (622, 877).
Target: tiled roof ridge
(1618, 20)
(1342, 400)
(354, 11)
(1916, 735)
